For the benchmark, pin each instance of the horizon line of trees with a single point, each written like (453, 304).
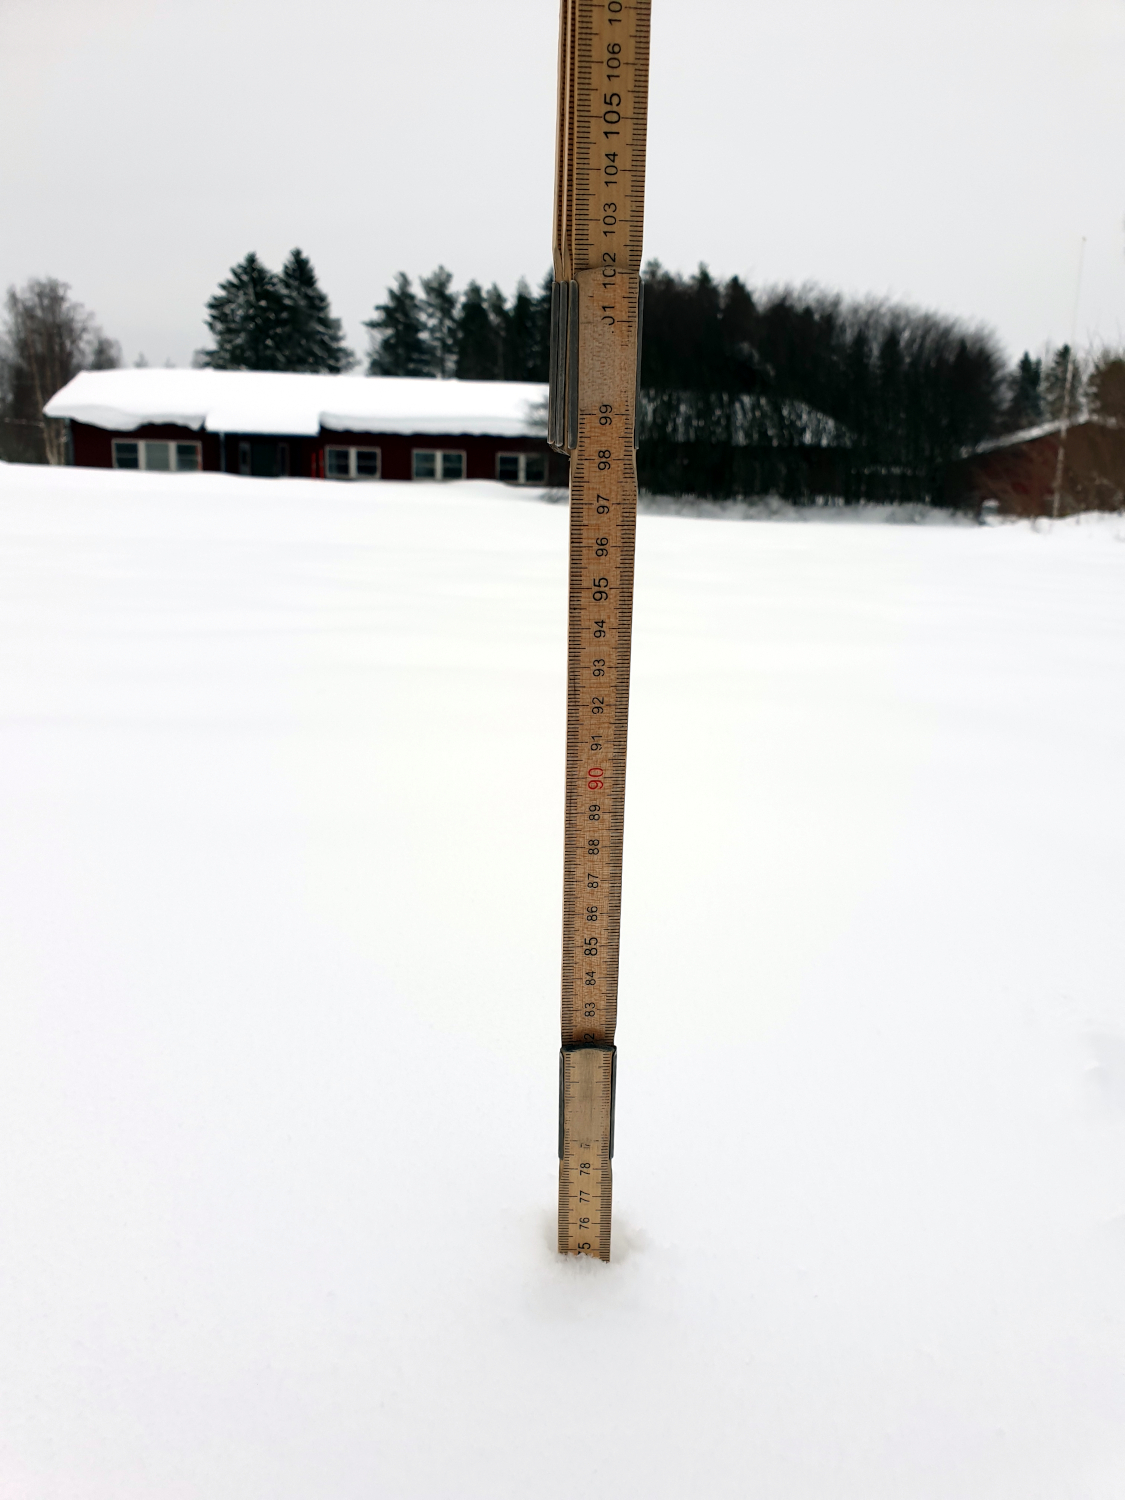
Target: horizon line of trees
(794, 391)
(260, 320)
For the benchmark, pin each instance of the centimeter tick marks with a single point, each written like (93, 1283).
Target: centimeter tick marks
(599, 212)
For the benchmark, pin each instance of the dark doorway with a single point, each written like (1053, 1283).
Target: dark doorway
(263, 460)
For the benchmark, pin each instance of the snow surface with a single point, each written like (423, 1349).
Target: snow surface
(281, 886)
(271, 402)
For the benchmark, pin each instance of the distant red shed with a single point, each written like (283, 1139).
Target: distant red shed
(1018, 472)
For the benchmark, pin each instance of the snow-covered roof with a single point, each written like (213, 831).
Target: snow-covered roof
(1024, 435)
(269, 402)
(1042, 429)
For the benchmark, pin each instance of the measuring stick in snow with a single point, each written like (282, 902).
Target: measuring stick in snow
(595, 347)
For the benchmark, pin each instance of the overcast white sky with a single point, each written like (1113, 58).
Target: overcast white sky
(949, 152)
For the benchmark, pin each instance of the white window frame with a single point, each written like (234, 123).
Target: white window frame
(141, 445)
(523, 458)
(439, 454)
(353, 472)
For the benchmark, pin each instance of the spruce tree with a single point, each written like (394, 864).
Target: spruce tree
(398, 344)
(313, 340)
(1025, 394)
(478, 357)
(520, 362)
(248, 319)
(439, 322)
(1055, 392)
(500, 318)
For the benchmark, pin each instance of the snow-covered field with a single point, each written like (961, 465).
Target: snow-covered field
(280, 874)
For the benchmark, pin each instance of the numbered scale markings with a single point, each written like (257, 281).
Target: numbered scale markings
(595, 347)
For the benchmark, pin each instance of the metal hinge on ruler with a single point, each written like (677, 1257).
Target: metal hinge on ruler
(637, 394)
(612, 1093)
(562, 397)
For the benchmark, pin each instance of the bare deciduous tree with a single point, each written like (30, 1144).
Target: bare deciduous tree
(46, 339)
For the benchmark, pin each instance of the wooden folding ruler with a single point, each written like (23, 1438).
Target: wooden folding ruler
(595, 349)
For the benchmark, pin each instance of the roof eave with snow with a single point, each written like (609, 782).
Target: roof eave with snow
(1041, 430)
(277, 404)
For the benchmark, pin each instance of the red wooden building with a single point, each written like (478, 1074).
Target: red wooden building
(342, 427)
(1018, 472)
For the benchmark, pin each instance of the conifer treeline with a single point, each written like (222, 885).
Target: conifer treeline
(794, 392)
(476, 335)
(260, 320)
